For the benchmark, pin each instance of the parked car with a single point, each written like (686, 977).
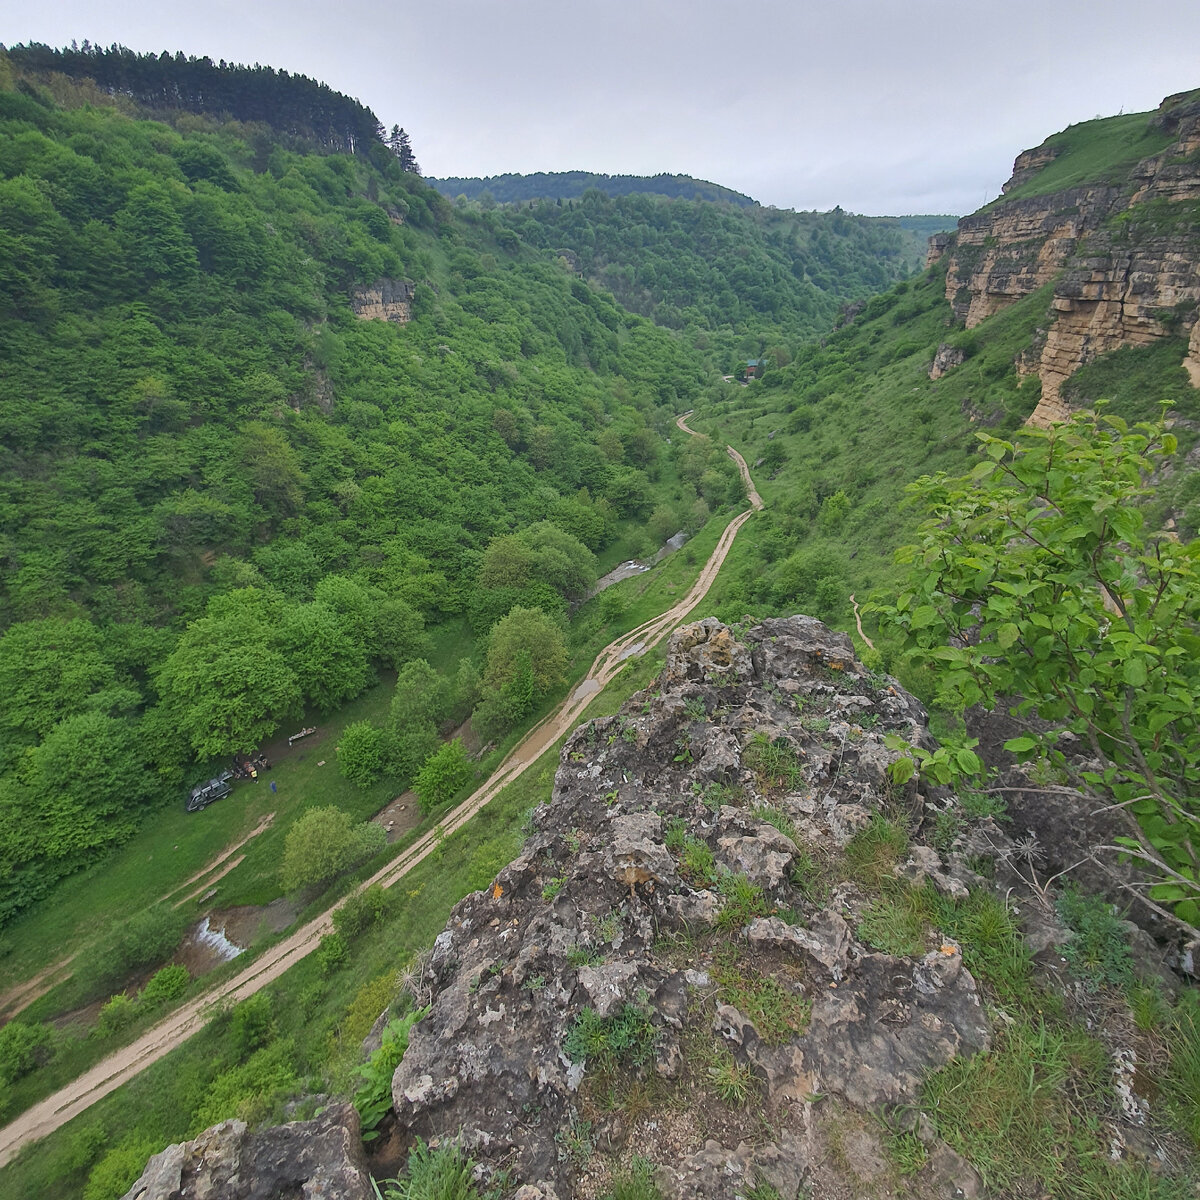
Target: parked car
(205, 794)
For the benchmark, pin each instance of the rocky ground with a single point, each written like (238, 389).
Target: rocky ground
(675, 965)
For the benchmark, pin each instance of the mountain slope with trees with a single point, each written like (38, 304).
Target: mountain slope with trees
(225, 495)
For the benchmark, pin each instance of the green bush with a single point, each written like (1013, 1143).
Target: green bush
(118, 1013)
(22, 1047)
(165, 985)
(445, 773)
(361, 910)
(324, 843)
(362, 753)
(119, 1169)
(252, 1025)
(333, 952)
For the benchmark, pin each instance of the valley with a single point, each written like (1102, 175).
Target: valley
(293, 441)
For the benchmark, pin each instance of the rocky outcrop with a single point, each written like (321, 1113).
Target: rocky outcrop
(614, 946)
(385, 300)
(1123, 258)
(309, 1160)
(946, 359)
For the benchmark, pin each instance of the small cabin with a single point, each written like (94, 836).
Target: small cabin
(755, 367)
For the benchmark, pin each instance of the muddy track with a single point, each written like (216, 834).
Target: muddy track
(106, 1076)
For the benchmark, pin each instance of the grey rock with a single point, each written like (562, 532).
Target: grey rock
(320, 1159)
(826, 945)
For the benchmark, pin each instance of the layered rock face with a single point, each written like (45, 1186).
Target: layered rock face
(1124, 260)
(385, 300)
(658, 918)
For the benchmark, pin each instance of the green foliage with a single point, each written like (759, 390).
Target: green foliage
(164, 986)
(1182, 1080)
(360, 910)
(894, 925)
(118, 1170)
(250, 1090)
(1017, 1114)
(634, 1183)
(442, 1174)
(333, 952)
(908, 1152)
(1033, 549)
(445, 773)
(373, 1099)
(1099, 951)
(141, 940)
(22, 1047)
(362, 753)
(116, 1015)
(252, 1025)
(731, 1080)
(323, 843)
(743, 901)
(875, 849)
(530, 632)
(775, 1010)
(774, 763)
(626, 1039)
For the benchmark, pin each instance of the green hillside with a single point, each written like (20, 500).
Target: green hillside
(752, 277)
(226, 497)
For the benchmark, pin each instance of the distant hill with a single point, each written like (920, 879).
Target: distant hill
(570, 185)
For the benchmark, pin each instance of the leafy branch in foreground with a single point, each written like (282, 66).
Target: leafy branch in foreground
(1036, 578)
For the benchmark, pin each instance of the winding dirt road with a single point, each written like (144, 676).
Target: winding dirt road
(48, 1115)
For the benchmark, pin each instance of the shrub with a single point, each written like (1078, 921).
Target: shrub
(323, 843)
(361, 910)
(445, 773)
(118, 1170)
(22, 1047)
(164, 986)
(117, 1014)
(362, 753)
(332, 953)
(252, 1025)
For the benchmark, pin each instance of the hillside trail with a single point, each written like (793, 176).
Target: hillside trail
(48, 1115)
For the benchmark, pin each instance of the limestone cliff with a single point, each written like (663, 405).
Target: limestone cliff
(384, 300)
(1123, 255)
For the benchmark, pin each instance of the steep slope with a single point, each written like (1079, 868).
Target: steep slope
(1108, 212)
(227, 491)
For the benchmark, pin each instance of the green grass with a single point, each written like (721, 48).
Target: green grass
(1024, 1114)
(1094, 152)
(895, 924)
(635, 1183)
(626, 1039)
(743, 901)
(775, 1011)
(875, 849)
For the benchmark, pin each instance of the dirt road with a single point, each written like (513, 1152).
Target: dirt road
(45, 1117)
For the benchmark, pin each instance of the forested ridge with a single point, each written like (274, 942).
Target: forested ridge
(570, 185)
(225, 497)
(768, 276)
(291, 104)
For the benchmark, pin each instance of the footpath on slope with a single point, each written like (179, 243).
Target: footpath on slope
(68, 1102)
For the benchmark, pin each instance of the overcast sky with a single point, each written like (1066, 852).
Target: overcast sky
(881, 106)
